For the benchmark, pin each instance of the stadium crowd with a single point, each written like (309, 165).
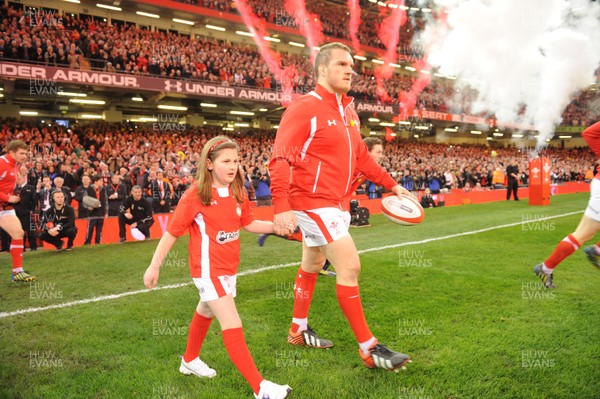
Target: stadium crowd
(334, 18)
(112, 161)
(139, 152)
(78, 43)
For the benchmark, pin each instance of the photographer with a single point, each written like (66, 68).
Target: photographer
(62, 216)
(136, 212)
(262, 187)
(427, 200)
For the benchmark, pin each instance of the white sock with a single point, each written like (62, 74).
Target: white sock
(17, 270)
(302, 323)
(546, 270)
(364, 346)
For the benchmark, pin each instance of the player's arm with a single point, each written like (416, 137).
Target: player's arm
(592, 137)
(294, 130)
(6, 197)
(375, 173)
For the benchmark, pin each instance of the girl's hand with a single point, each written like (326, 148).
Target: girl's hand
(151, 276)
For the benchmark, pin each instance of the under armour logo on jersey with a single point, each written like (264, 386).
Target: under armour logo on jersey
(170, 85)
(331, 122)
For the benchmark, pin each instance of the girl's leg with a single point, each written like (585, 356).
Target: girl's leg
(225, 311)
(197, 332)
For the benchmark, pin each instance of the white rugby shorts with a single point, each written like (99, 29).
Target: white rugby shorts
(213, 288)
(593, 209)
(8, 212)
(322, 226)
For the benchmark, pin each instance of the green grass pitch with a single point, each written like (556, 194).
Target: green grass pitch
(466, 307)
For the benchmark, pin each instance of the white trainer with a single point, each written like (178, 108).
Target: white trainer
(196, 367)
(270, 390)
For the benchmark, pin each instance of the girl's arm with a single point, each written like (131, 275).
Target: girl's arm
(260, 227)
(164, 246)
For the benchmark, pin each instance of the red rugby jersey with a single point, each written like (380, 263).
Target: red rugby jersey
(8, 177)
(214, 247)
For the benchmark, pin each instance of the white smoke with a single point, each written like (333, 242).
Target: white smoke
(526, 59)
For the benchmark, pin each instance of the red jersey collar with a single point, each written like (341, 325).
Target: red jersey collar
(331, 97)
(11, 160)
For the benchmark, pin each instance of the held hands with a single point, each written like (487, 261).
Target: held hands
(13, 199)
(285, 223)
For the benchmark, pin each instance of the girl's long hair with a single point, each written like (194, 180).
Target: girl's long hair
(204, 179)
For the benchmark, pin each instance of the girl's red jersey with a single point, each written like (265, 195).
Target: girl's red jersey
(214, 247)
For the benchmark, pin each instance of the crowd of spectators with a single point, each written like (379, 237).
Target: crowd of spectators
(334, 18)
(126, 48)
(141, 155)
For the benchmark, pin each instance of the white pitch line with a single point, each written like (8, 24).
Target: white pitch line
(274, 267)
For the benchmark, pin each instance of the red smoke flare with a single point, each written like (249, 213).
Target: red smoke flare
(389, 33)
(389, 135)
(354, 7)
(309, 24)
(409, 98)
(258, 28)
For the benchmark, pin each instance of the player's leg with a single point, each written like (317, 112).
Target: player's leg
(12, 225)
(304, 285)
(587, 228)
(343, 255)
(226, 313)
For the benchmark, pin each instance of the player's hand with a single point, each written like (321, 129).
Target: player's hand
(285, 223)
(133, 225)
(400, 191)
(129, 215)
(13, 199)
(151, 276)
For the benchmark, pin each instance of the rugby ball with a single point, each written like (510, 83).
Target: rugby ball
(406, 211)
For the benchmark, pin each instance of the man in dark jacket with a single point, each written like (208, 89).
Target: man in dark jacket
(25, 209)
(62, 218)
(161, 194)
(96, 216)
(136, 212)
(84, 190)
(512, 173)
(116, 192)
(427, 200)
